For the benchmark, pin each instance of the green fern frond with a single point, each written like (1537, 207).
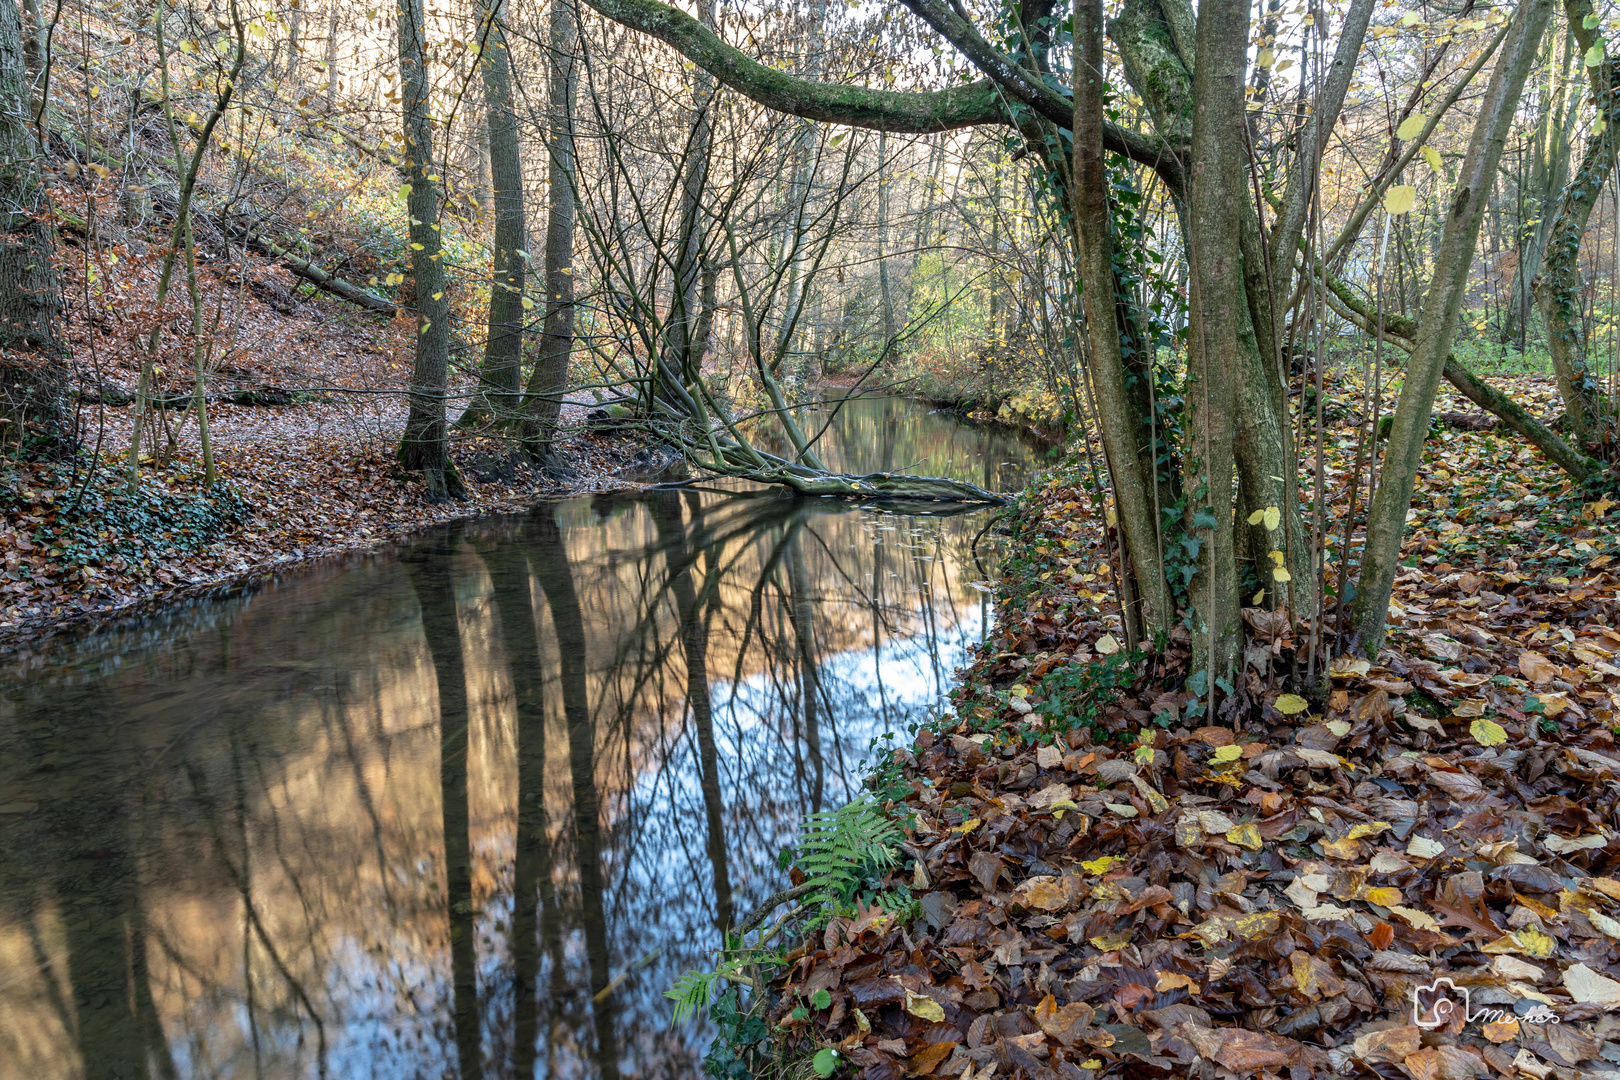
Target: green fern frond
(837, 849)
(690, 993)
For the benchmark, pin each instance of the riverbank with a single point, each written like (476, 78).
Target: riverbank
(298, 483)
(1092, 879)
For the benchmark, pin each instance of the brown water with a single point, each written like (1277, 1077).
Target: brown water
(465, 809)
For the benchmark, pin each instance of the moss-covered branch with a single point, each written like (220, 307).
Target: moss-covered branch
(916, 112)
(1403, 330)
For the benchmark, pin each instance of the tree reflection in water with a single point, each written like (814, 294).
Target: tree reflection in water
(463, 812)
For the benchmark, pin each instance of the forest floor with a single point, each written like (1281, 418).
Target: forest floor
(1099, 882)
(311, 477)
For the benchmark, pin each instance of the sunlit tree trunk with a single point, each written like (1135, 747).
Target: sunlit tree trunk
(425, 446)
(550, 378)
(503, 347)
(1386, 521)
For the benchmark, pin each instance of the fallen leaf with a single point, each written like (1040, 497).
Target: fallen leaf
(924, 1007)
(1586, 985)
(1537, 668)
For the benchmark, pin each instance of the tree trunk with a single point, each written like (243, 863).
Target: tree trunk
(543, 405)
(331, 55)
(503, 347)
(295, 23)
(1549, 172)
(885, 293)
(425, 448)
(35, 412)
(1558, 286)
(1386, 522)
(1215, 350)
(1130, 456)
(683, 347)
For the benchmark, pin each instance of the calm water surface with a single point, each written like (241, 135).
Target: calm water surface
(466, 809)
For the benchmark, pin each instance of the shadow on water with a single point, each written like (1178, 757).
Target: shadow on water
(468, 809)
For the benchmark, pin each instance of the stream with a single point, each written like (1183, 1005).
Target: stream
(469, 806)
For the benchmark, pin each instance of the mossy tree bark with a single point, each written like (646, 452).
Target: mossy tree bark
(1215, 351)
(35, 412)
(1557, 288)
(1386, 523)
(425, 447)
(499, 380)
(543, 404)
(1128, 441)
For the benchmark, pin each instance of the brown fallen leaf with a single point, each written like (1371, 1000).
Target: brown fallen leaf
(1065, 1024)
(1392, 1045)
(1245, 1051)
(1537, 668)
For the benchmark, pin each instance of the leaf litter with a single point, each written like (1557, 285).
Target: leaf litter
(1106, 883)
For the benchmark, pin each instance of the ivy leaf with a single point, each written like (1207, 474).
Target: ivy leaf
(1411, 127)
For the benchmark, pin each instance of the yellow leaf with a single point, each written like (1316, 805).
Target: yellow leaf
(1536, 943)
(528, 305)
(1432, 156)
(1289, 704)
(417, 247)
(1246, 836)
(1340, 728)
(186, 46)
(1091, 1063)
(1229, 752)
(1278, 574)
(1100, 864)
(1108, 645)
(1366, 829)
(1384, 896)
(1171, 980)
(1273, 517)
(1409, 19)
(1487, 732)
(1256, 517)
(968, 826)
(924, 1008)
(1110, 942)
(1400, 199)
(1267, 57)
(438, 296)
(1411, 127)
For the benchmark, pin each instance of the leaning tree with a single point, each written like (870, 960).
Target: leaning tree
(1202, 492)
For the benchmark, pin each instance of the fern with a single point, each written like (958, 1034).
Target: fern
(690, 993)
(839, 849)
